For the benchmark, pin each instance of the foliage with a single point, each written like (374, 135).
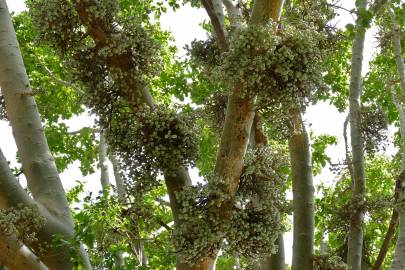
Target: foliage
(106, 56)
(319, 146)
(334, 208)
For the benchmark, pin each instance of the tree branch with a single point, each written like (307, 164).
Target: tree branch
(54, 77)
(234, 14)
(263, 10)
(214, 11)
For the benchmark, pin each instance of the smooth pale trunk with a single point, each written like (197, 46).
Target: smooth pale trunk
(102, 158)
(303, 194)
(38, 164)
(355, 242)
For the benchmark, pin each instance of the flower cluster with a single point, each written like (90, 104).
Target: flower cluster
(153, 141)
(253, 224)
(113, 57)
(328, 262)
(22, 221)
(374, 125)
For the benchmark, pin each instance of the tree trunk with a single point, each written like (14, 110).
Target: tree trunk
(38, 164)
(303, 194)
(355, 245)
(102, 159)
(399, 256)
(202, 264)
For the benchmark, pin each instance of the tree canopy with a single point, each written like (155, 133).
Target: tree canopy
(232, 110)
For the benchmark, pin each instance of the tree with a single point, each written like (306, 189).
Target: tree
(251, 80)
(355, 242)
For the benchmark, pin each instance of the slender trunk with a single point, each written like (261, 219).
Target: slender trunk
(348, 158)
(102, 157)
(399, 256)
(119, 182)
(387, 241)
(355, 245)
(303, 194)
(85, 260)
(38, 164)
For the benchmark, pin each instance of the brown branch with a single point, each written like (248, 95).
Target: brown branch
(387, 240)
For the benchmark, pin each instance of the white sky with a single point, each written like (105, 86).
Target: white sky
(184, 24)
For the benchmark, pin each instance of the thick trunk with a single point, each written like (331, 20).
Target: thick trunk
(355, 246)
(399, 256)
(275, 261)
(399, 260)
(13, 254)
(303, 194)
(263, 10)
(38, 164)
(12, 195)
(235, 137)
(396, 42)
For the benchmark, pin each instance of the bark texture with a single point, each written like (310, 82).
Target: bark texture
(303, 194)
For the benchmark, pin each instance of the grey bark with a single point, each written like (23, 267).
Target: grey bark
(355, 242)
(303, 194)
(38, 164)
(234, 14)
(102, 158)
(119, 182)
(398, 262)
